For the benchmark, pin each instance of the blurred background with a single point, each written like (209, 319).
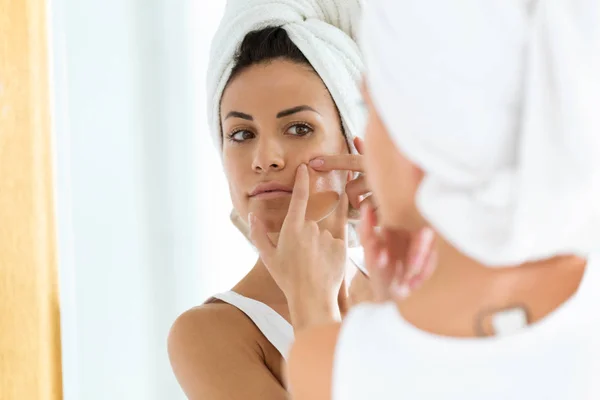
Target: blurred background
(142, 204)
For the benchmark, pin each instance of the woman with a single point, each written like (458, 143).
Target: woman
(283, 92)
(490, 134)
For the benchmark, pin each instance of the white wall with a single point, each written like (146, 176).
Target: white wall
(225, 255)
(142, 204)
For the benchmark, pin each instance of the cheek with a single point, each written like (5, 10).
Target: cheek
(302, 153)
(328, 182)
(236, 178)
(389, 176)
(325, 192)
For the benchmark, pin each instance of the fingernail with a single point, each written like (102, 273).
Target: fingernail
(317, 162)
(250, 219)
(382, 260)
(401, 291)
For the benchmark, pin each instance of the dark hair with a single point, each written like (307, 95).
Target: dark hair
(266, 45)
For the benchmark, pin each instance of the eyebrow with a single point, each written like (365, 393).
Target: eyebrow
(237, 114)
(295, 110)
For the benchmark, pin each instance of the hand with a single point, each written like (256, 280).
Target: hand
(308, 263)
(398, 261)
(357, 189)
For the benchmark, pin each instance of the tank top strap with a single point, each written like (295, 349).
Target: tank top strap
(272, 325)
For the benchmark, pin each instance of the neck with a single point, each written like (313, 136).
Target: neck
(461, 289)
(260, 278)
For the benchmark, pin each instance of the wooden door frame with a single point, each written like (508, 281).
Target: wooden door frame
(30, 346)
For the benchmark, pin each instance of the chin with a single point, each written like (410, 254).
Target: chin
(273, 220)
(271, 213)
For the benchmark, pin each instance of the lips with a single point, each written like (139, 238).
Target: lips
(270, 187)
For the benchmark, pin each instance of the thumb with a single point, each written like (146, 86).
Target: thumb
(260, 238)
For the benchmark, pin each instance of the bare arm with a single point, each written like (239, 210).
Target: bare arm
(215, 357)
(310, 368)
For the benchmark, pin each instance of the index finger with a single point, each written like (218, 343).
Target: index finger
(344, 162)
(297, 211)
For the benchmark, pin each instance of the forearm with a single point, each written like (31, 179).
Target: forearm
(310, 310)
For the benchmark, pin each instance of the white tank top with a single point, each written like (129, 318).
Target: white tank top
(381, 356)
(272, 325)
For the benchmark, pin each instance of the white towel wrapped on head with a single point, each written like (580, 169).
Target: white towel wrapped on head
(323, 30)
(499, 102)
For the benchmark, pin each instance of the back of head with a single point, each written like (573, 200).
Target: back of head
(500, 111)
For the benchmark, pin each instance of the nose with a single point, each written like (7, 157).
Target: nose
(269, 156)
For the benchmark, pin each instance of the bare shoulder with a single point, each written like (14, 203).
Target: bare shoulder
(311, 362)
(212, 324)
(215, 352)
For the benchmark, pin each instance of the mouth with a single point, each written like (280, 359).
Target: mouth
(275, 194)
(270, 190)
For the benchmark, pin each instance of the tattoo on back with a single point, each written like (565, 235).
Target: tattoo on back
(484, 320)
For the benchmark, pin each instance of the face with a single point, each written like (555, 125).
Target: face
(395, 192)
(274, 117)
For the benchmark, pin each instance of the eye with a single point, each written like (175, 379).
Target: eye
(240, 136)
(299, 130)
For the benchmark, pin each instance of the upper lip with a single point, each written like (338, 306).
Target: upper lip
(270, 187)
